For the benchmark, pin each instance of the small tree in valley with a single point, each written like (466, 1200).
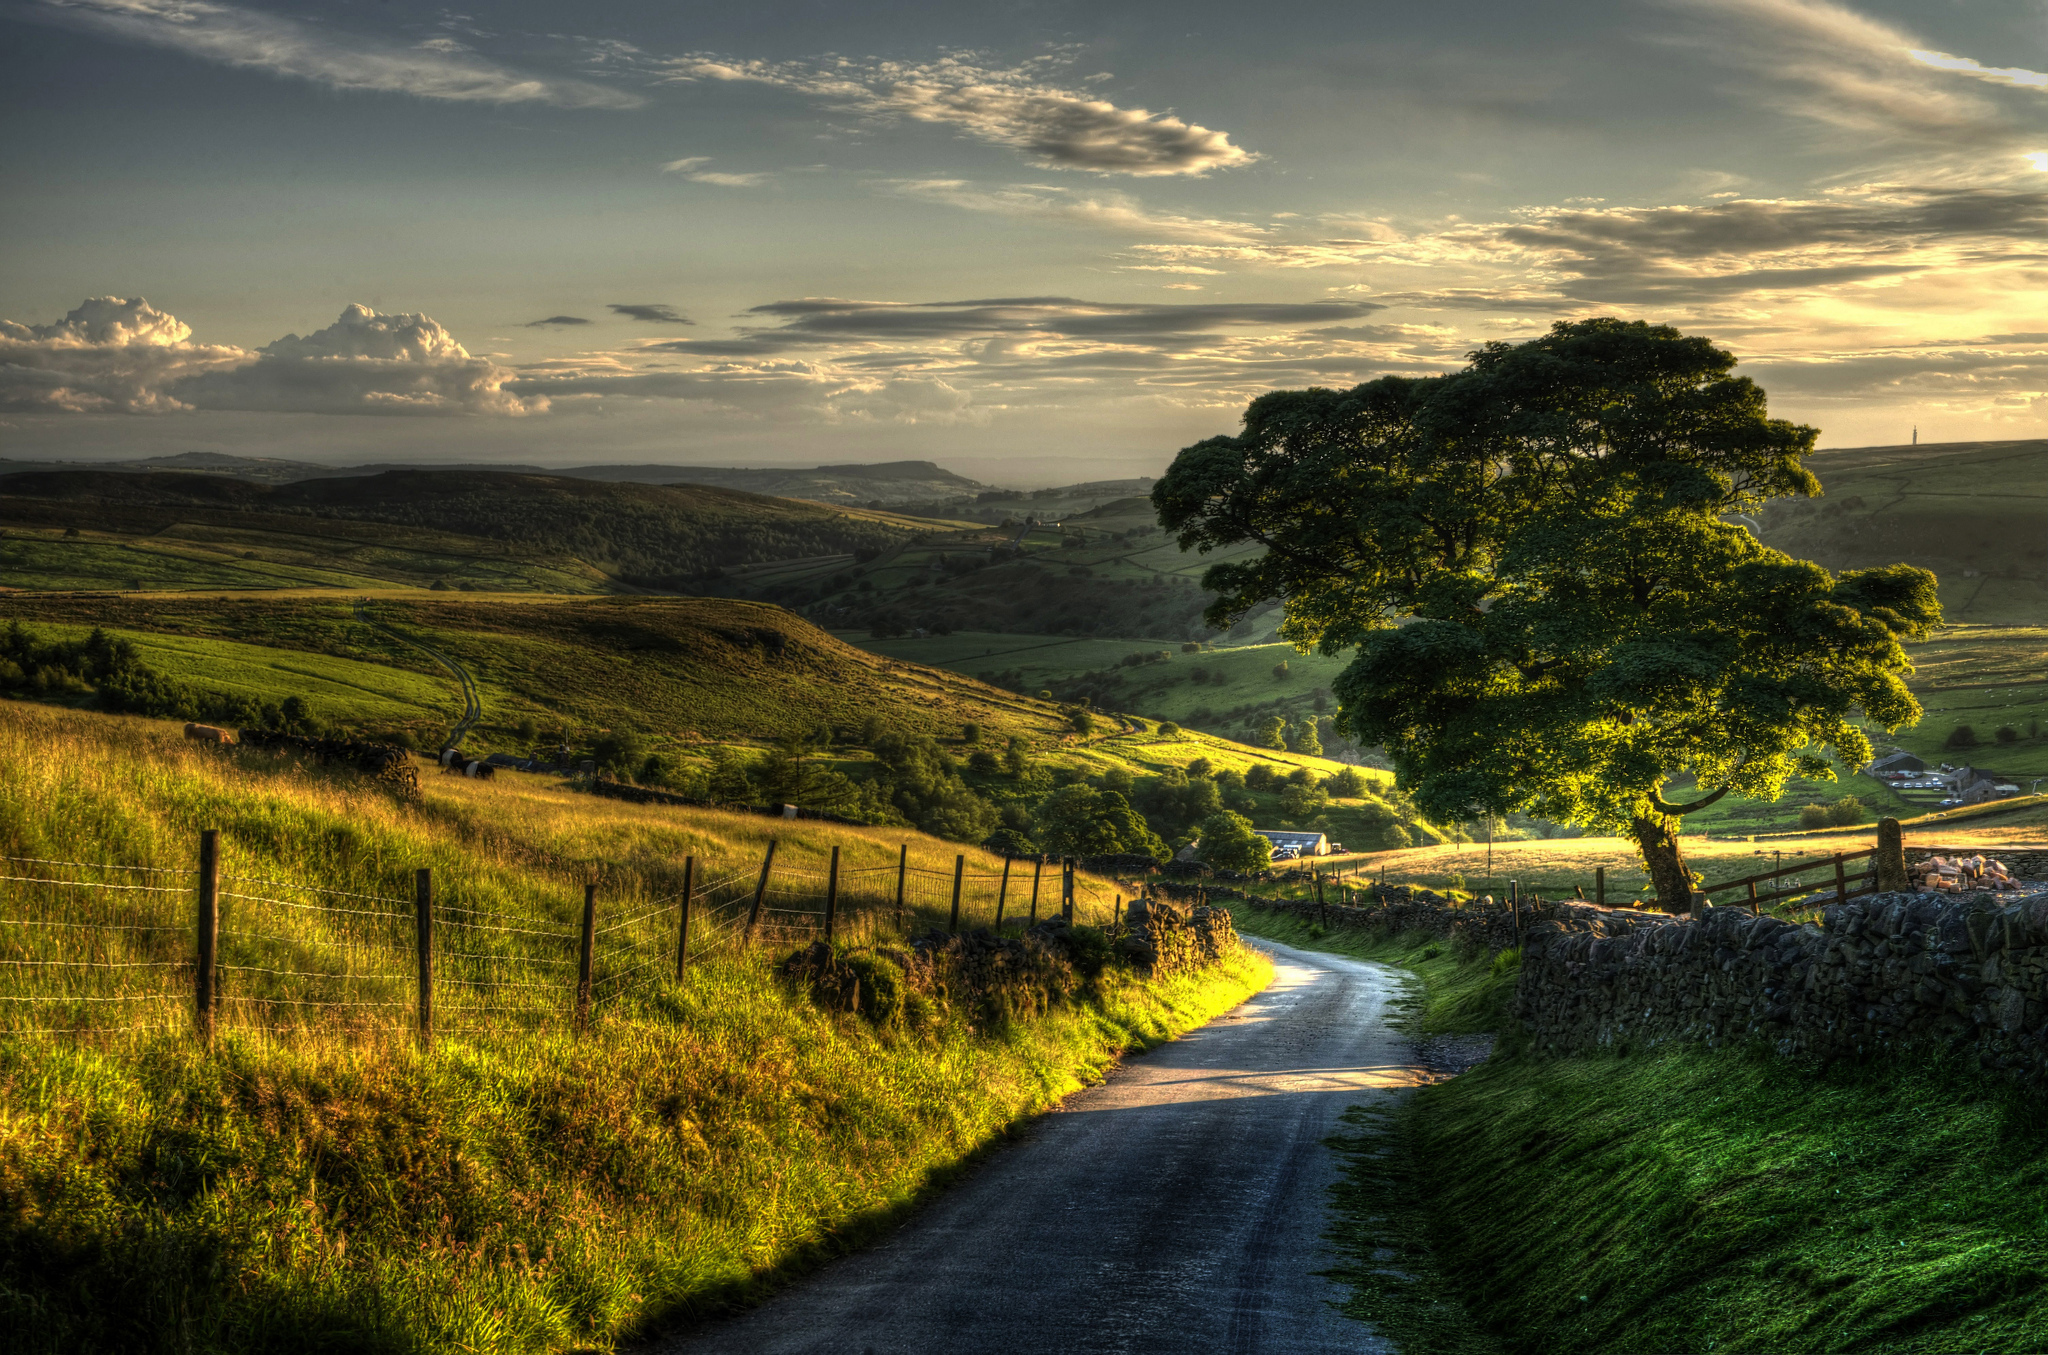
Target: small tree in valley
(1228, 843)
(1579, 621)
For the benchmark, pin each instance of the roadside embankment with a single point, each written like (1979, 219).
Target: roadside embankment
(1616, 1198)
(323, 1180)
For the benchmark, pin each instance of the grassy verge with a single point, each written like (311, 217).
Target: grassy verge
(328, 1186)
(1691, 1200)
(1732, 1201)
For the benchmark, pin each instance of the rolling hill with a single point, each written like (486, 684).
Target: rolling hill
(1976, 513)
(648, 536)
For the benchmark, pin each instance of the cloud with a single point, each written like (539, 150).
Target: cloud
(557, 320)
(1874, 83)
(724, 180)
(1101, 211)
(111, 355)
(1686, 254)
(1003, 106)
(2000, 75)
(114, 355)
(692, 168)
(252, 40)
(653, 311)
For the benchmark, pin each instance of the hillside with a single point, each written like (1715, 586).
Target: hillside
(1976, 513)
(520, 1187)
(647, 535)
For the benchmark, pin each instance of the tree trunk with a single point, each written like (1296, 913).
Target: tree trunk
(1656, 838)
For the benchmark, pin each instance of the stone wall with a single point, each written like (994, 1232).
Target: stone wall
(1883, 971)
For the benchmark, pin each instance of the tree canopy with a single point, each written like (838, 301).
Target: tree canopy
(1228, 843)
(1080, 820)
(1534, 563)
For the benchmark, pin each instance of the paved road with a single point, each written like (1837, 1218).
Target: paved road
(1177, 1207)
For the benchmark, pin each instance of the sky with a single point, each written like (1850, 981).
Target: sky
(1036, 242)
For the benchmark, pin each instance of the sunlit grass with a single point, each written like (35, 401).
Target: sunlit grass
(318, 1179)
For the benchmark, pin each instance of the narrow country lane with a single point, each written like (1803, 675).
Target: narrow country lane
(1178, 1207)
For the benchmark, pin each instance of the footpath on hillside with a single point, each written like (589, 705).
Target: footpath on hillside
(1179, 1206)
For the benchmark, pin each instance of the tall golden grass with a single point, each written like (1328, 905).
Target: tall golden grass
(316, 1178)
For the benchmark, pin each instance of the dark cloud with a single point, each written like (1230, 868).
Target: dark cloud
(654, 311)
(557, 320)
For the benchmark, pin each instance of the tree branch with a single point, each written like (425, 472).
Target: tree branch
(1658, 803)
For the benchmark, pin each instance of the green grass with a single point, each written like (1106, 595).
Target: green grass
(1733, 1201)
(1971, 512)
(323, 1183)
(251, 553)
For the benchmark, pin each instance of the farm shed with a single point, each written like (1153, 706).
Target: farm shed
(1304, 844)
(1896, 762)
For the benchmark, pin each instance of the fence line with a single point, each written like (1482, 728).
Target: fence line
(208, 944)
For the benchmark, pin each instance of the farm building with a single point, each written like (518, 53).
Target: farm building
(1895, 762)
(1304, 844)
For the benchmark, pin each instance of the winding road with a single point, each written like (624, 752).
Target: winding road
(1177, 1207)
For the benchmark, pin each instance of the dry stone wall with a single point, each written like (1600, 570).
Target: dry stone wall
(1883, 971)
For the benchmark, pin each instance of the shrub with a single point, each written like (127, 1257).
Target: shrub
(1280, 671)
(2007, 735)
(983, 763)
(1846, 811)
(1814, 816)
(970, 733)
(1168, 728)
(1962, 736)
(1346, 785)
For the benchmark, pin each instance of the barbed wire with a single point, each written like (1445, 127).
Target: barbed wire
(311, 889)
(320, 908)
(99, 865)
(93, 884)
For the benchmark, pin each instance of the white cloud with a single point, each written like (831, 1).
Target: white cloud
(1867, 79)
(692, 168)
(1004, 106)
(253, 40)
(2000, 75)
(1102, 211)
(113, 355)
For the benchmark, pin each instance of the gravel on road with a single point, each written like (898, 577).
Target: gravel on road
(1179, 1206)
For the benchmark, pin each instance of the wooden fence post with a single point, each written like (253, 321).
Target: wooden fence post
(583, 958)
(1841, 881)
(832, 894)
(761, 889)
(959, 870)
(204, 964)
(683, 931)
(902, 870)
(1037, 869)
(1600, 886)
(1116, 913)
(423, 936)
(1067, 888)
(1002, 893)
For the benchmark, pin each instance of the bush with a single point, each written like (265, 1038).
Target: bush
(983, 763)
(1168, 728)
(970, 733)
(1846, 811)
(2007, 735)
(1814, 816)
(1280, 671)
(1346, 785)
(1962, 736)
(1228, 843)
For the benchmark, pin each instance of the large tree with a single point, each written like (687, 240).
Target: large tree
(1550, 609)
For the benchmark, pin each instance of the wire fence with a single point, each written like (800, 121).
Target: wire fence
(104, 948)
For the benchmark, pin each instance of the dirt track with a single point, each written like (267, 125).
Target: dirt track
(1178, 1207)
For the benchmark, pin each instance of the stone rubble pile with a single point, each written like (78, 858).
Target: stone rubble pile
(1954, 874)
(1165, 938)
(1885, 970)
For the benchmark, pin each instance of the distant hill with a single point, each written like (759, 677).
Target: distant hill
(1976, 513)
(649, 535)
(888, 483)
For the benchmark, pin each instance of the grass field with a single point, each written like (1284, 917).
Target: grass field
(1973, 512)
(249, 556)
(515, 1189)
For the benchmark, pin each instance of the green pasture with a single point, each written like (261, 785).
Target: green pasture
(192, 557)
